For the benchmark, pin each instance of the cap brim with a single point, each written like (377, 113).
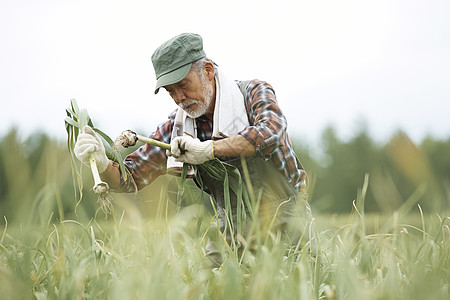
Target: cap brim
(172, 77)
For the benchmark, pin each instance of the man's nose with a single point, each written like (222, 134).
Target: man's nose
(179, 96)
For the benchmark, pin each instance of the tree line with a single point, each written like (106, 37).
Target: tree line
(398, 170)
(35, 173)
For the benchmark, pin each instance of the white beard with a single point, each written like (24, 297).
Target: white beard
(202, 107)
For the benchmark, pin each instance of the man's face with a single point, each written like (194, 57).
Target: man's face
(194, 94)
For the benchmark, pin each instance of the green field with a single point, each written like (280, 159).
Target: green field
(128, 257)
(54, 246)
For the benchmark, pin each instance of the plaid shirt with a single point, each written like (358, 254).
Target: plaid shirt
(267, 132)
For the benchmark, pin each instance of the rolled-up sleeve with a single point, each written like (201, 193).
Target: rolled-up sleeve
(267, 123)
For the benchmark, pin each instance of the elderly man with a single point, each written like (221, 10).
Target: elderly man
(217, 118)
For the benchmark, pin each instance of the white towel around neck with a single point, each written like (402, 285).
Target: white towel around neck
(230, 117)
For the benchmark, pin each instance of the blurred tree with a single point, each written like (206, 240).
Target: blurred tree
(413, 169)
(438, 153)
(395, 171)
(343, 169)
(35, 176)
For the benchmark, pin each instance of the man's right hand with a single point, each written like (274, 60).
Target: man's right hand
(89, 142)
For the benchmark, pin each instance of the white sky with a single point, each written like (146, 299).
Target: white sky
(330, 62)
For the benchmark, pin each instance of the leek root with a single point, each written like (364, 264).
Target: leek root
(128, 138)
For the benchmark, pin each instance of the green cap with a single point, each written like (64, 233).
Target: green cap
(173, 59)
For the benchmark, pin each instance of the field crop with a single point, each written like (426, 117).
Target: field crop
(129, 257)
(54, 246)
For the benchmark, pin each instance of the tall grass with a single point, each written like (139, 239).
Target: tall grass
(148, 250)
(129, 257)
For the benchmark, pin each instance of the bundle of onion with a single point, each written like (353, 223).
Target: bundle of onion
(75, 123)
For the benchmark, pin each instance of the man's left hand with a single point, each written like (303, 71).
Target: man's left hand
(192, 151)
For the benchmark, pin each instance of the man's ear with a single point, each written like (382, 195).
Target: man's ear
(208, 70)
